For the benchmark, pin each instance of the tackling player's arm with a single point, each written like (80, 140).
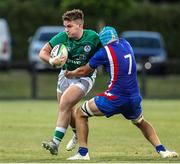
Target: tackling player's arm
(98, 59)
(79, 72)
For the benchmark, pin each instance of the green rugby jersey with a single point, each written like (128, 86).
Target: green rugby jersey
(79, 51)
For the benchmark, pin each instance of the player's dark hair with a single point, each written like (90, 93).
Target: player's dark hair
(73, 15)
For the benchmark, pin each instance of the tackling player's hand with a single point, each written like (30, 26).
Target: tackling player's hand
(69, 74)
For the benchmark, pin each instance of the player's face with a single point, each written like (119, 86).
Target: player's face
(73, 29)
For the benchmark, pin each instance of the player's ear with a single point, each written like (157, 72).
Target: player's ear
(80, 23)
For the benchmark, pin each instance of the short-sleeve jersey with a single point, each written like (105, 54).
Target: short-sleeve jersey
(119, 61)
(79, 51)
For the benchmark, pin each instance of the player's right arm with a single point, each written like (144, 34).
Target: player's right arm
(45, 52)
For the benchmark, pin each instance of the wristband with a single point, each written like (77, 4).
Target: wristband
(51, 61)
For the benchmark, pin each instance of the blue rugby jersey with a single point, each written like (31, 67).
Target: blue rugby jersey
(119, 61)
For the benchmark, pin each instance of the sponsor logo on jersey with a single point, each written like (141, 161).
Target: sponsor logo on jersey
(87, 48)
(73, 61)
(82, 57)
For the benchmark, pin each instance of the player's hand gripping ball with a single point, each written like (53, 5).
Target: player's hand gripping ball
(59, 55)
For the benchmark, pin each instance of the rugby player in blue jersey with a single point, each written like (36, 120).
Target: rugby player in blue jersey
(121, 97)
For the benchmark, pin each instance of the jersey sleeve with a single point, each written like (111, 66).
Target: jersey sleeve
(99, 58)
(59, 38)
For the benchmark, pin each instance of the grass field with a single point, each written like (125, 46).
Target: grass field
(25, 124)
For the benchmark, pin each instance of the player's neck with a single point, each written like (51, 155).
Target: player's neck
(79, 35)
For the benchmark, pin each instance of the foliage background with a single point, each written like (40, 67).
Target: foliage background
(25, 16)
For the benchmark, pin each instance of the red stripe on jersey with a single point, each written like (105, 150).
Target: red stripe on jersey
(114, 71)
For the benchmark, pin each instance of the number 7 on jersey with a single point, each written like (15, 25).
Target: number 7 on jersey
(128, 56)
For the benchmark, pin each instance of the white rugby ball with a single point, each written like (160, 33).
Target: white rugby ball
(61, 53)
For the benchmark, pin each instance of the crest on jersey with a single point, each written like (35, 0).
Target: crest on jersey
(87, 48)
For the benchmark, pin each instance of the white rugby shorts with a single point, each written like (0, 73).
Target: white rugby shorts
(84, 83)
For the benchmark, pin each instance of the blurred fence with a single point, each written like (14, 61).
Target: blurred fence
(25, 84)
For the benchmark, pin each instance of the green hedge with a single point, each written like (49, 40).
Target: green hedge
(25, 16)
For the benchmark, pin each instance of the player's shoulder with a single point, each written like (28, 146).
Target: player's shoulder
(91, 37)
(90, 33)
(62, 34)
(123, 41)
(101, 52)
(61, 37)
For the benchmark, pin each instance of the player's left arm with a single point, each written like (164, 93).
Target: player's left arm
(79, 72)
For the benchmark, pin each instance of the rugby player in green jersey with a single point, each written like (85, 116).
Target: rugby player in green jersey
(81, 45)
